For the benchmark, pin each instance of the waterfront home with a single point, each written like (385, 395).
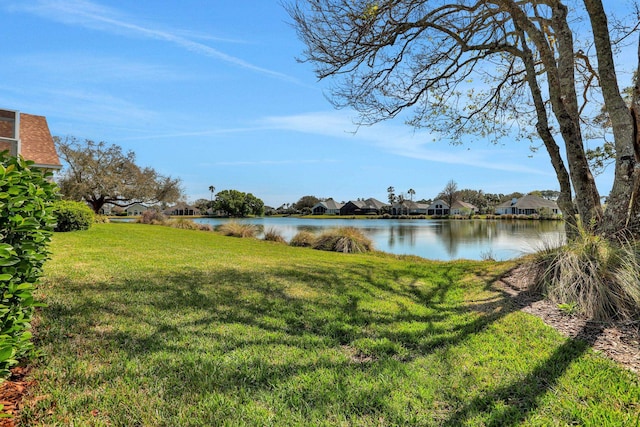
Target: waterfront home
(462, 208)
(438, 207)
(528, 205)
(370, 206)
(326, 207)
(106, 209)
(409, 207)
(182, 209)
(136, 209)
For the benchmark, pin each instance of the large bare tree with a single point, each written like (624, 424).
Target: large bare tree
(449, 193)
(99, 173)
(490, 68)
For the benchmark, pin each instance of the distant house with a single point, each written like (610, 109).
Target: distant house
(326, 207)
(370, 206)
(528, 205)
(136, 209)
(182, 209)
(106, 209)
(462, 208)
(409, 207)
(438, 207)
(29, 136)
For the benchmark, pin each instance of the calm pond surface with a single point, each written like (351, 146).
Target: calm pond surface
(438, 239)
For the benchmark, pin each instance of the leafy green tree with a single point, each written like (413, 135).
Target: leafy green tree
(550, 194)
(238, 204)
(306, 202)
(547, 68)
(510, 196)
(475, 197)
(99, 173)
(203, 205)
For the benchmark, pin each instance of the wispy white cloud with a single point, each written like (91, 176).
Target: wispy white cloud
(206, 132)
(83, 108)
(273, 162)
(396, 139)
(77, 66)
(95, 16)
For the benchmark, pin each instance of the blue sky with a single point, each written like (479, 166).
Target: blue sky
(211, 92)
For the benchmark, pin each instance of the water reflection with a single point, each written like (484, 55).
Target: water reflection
(433, 239)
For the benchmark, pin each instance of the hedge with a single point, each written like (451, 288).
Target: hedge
(72, 216)
(26, 224)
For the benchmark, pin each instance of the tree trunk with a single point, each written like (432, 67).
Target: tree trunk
(565, 105)
(96, 204)
(634, 218)
(565, 199)
(561, 85)
(621, 200)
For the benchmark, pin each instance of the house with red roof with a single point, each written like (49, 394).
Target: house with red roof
(29, 136)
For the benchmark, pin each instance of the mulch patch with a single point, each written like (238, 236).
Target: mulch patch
(12, 392)
(619, 341)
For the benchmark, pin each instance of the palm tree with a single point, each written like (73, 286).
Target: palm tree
(212, 189)
(411, 193)
(392, 196)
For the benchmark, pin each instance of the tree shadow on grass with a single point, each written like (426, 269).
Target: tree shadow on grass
(328, 313)
(523, 397)
(340, 317)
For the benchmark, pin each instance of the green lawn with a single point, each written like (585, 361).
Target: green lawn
(154, 326)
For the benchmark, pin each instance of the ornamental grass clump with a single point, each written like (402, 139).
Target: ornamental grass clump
(599, 277)
(152, 216)
(273, 235)
(304, 239)
(345, 239)
(183, 224)
(236, 229)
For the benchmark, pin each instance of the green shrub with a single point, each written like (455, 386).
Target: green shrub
(599, 277)
(72, 216)
(26, 224)
(345, 239)
(236, 229)
(303, 239)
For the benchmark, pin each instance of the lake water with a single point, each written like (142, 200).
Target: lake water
(437, 239)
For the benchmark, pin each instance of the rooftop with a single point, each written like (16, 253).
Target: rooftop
(28, 135)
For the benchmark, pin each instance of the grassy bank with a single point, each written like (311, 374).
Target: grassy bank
(154, 326)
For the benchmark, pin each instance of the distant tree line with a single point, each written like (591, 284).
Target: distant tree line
(485, 202)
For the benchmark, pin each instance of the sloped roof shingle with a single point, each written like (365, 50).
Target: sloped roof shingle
(530, 201)
(36, 143)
